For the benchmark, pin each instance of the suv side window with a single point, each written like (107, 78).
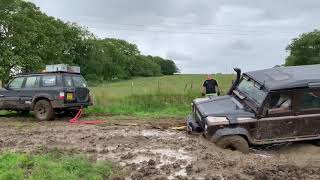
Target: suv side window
(32, 82)
(16, 83)
(68, 81)
(309, 100)
(49, 81)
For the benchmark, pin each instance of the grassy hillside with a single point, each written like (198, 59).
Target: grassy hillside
(166, 96)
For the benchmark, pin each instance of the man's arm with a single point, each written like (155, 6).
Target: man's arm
(218, 90)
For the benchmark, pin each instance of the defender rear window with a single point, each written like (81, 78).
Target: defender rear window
(49, 81)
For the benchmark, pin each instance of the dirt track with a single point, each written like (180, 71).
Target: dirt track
(148, 149)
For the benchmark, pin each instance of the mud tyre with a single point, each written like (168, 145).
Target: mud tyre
(236, 142)
(43, 111)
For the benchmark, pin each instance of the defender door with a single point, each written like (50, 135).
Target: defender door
(10, 95)
(278, 122)
(308, 108)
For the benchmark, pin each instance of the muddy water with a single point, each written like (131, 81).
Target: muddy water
(143, 152)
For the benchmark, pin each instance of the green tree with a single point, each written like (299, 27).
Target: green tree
(168, 67)
(29, 39)
(304, 50)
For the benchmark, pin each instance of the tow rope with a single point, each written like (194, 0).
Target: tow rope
(75, 120)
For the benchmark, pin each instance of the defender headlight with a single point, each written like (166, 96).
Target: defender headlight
(217, 121)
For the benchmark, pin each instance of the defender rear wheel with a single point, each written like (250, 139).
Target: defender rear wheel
(235, 142)
(44, 111)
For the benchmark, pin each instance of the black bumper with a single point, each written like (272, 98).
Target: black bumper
(192, 125)
(59, 104)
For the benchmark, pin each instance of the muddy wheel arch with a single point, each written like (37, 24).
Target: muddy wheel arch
(40, 97)
(231, 131)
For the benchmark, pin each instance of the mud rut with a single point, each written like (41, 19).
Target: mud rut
(148, 149)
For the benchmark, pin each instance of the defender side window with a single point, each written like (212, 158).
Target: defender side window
(309, 100)
(49, 81)
(16, 83)
(279, 103)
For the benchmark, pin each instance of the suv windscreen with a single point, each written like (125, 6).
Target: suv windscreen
(252, 90)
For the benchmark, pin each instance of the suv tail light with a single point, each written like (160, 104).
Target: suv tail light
(61, 95)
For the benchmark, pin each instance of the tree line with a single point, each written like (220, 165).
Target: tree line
(29, 40)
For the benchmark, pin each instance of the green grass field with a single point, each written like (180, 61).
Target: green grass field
(51, 166)
(166, 96)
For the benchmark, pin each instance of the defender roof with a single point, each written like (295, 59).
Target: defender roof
(279, 78)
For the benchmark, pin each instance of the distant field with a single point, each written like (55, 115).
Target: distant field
(155, 96)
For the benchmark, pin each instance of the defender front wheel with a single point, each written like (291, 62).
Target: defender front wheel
(235, 142)
(43, 110)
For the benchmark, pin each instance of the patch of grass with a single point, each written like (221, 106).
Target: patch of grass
(167, 96)
(149, 105)
(51, 166)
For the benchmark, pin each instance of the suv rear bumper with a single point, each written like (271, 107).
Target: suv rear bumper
(62, 105)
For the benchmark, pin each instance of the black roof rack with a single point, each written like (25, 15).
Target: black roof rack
(42, 73)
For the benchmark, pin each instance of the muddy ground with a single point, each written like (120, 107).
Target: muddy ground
(150, 149)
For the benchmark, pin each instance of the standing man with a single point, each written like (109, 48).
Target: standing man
(210, 87)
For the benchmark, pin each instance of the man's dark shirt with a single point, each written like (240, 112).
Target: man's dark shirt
(210, 86)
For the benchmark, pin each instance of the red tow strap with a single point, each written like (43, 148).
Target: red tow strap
(75, 120)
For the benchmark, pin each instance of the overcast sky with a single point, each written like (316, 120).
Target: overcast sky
(201, 36)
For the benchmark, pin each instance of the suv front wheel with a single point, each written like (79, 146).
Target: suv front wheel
(43, 110)
(234, 142)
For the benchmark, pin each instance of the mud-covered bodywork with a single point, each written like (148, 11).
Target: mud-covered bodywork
(250, 108)
(22, 95)
(210, 114)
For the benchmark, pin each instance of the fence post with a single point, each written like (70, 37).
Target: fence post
(159, 86)
(132, 87)
(185, 87)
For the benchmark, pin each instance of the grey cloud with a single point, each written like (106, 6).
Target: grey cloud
(202, 36)
(240, 45)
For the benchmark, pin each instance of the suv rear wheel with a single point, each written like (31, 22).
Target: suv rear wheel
(43, 110)
(234, 142)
